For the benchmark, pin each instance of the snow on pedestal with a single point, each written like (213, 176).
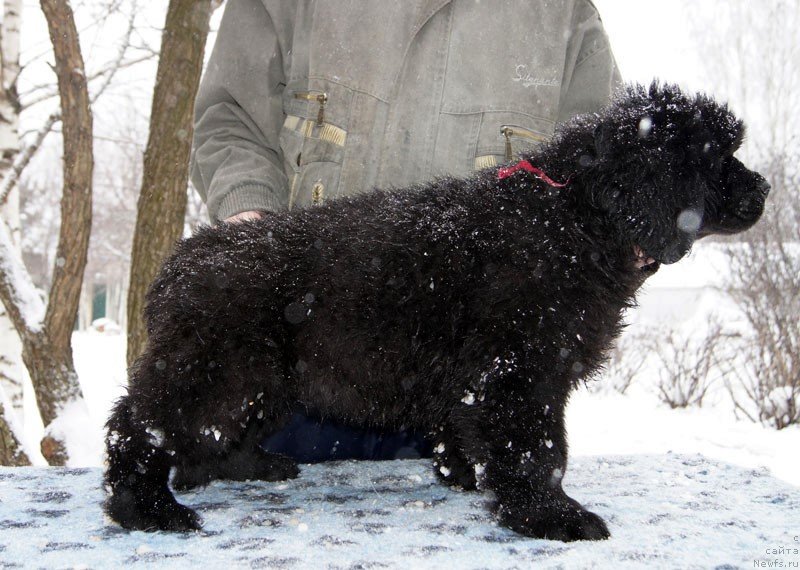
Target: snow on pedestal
(664, 511)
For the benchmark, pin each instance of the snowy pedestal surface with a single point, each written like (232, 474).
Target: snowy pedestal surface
(668, 511)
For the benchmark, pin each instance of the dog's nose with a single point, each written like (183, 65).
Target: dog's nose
(764, 187)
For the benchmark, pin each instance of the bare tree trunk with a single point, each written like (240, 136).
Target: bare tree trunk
(49, 363)
(49, 356)
(162, 202)
(76, 200)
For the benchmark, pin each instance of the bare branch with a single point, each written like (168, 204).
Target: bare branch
(24, 157)
(110, 69)
(123, 49)
(626, 361)
(12, 176)
(689, 365)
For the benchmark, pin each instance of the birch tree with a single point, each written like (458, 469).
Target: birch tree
(10, 383)
(9, 73)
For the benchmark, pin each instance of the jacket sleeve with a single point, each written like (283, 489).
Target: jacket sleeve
(591, 75)
(237, 163)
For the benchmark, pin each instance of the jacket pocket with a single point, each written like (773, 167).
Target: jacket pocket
(313, 151)
(475, 141)
(504, 136)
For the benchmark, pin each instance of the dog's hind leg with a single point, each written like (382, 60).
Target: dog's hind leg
(251, 399)
(246, 462)
(137, 475)
(192, 404)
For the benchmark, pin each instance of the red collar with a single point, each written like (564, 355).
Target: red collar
(525, 165)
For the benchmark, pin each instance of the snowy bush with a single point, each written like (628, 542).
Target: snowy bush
(781, 404)
(625, 363)
(756, 390)
(761, 386)
(688, 364)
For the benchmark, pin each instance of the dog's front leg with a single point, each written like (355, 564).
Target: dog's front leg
(528, 458)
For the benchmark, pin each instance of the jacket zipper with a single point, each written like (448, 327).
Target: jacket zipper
(509, 131)
(319, 97)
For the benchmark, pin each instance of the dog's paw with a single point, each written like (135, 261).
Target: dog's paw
(456, 472)
(178, 518)
(564, 521)
(163, 513)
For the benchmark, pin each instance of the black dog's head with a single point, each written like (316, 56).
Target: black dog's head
(660, 165)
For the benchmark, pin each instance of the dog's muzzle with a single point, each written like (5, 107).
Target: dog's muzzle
(751, 206)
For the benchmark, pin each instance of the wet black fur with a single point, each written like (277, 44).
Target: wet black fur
(468, 308)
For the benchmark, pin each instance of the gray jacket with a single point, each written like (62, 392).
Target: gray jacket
(307, 100)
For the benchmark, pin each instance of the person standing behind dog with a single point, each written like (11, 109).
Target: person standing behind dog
(305, 101)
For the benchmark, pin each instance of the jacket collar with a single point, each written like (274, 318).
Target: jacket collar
(425, 10)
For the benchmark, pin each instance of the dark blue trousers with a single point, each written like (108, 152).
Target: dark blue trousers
(308, 440)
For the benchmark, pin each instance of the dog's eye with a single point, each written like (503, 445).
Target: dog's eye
(724, 162)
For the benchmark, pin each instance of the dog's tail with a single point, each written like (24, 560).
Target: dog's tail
(137, 478)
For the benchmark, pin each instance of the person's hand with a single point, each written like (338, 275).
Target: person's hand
(243, 217)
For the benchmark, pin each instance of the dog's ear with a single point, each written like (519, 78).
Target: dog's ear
(603, 138)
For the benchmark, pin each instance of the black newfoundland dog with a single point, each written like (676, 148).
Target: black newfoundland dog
(468, 308)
